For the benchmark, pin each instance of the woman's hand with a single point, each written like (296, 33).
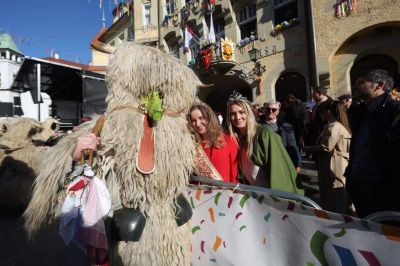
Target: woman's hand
(85, 142)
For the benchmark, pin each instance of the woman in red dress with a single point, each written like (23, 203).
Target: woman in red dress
(217, 151)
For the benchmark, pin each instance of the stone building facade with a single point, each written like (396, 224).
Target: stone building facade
(300, 43)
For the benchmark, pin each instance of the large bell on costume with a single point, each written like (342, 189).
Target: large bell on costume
(127, 224)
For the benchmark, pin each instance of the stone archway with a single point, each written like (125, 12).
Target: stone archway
(371, 62)
(220, 87)
(291, 83)
(371, 48)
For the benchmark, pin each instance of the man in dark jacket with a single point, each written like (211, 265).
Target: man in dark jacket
(373, 175)
(316, 122)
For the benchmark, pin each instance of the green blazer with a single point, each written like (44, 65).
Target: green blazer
(270, 155)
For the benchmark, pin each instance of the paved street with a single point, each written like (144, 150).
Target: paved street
(309, 179)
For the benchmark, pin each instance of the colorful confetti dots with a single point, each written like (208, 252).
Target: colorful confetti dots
(202, 246)
(198, 194)
(266, 217)
(341, 233)
(243, 200)
(238, 215)
(195, 229)
(230, 201)
(216, 199)
(242, 227)
(217, 243)
(211, 212)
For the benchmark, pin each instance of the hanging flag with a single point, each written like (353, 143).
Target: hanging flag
(206, 32)
(212, 32)
(188, 38)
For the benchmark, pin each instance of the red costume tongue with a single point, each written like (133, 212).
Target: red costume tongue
(145, 161)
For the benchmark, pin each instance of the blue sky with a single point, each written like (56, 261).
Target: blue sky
(42, 26)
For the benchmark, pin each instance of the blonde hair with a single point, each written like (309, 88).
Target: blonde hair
(214, 133)
(244, 140)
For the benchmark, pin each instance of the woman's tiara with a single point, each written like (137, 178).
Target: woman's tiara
(236, 96)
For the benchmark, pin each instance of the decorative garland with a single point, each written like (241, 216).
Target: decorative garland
(344, 8)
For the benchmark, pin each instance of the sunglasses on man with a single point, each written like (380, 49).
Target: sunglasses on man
(271, 109)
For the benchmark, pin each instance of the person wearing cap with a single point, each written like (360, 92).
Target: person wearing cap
(346, 100)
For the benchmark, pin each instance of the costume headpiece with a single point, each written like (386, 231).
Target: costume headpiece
(236, 96)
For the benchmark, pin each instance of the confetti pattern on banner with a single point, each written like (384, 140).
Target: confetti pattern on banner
(321, 214)
(345, 255)
(230, 202)
(340, 233)
(266, 217)
(198, 194)
(191, 202)
(216, 199)
(217, 243)
(202, 246)
(238, 215)
(195, 229)
(208, 191)
(291, 206)
(211, 212)
(370, 258)
(317, 246)
(243, 200)
(334, 238)
(264, 241)
(391, 232)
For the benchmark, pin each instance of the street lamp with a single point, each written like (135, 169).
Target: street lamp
(254, 54)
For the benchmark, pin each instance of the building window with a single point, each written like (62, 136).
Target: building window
(146, 14)
(247, 20)
(170, 7)
(285, 10)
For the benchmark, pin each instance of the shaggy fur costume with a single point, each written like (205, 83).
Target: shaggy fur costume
(134, 70)
(21, 150)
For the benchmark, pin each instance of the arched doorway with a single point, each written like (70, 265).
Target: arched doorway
(291, 83)
(371, 62)
(221, 87)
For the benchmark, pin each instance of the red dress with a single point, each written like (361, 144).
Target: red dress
(224, 159)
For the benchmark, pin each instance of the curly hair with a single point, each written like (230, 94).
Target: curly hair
(214, 132)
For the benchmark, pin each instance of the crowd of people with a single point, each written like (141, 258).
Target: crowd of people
(354, 144)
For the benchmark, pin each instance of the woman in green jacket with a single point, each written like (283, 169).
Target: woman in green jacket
(263, 159)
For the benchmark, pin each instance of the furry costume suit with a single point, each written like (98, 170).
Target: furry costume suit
(21, 151)
(134, 70)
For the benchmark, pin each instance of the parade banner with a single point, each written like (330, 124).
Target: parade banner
(247, 228)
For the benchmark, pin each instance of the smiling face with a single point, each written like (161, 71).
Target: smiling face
(238, 117)
(198, 121)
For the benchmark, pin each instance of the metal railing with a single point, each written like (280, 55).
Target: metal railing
(281, 194)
